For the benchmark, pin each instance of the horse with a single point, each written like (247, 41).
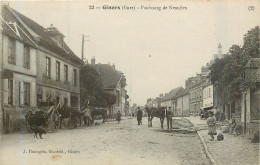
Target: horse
(96, 111)
(155, 112)
(72, 114)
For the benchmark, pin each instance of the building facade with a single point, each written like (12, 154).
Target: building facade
(183, 103)
(114, 82)
(196, 97)
(36, 65)
(170, 99)
(207, 95)
(250, 100)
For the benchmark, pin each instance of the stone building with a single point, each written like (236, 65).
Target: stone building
(207, 95)
(183, 103)
(170, 99)
(36, 63)
(250, 101)
(196, 97)
(113, 82)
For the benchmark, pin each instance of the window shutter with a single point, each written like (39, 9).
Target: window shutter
(5, 89)
(21, 93)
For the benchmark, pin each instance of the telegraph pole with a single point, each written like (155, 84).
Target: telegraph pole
(83, 40)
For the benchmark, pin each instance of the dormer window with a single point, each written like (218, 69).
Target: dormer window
(56, 35)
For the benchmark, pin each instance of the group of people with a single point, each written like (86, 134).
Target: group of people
(139, 116)
(168, 113)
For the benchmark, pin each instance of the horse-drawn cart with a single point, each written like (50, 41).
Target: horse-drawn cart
(46, 116)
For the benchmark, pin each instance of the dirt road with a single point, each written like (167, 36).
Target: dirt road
(105, 144)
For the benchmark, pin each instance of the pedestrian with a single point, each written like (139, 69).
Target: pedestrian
(232, 125)
(139, 116)
(87, 116)
(169, 115)
(211, 121)
(118, 117)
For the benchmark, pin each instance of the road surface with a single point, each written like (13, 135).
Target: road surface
(106, 144)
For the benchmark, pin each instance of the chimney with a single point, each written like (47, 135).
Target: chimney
(56, 35)
(114, 66)
(93, 60)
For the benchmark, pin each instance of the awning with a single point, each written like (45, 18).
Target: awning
(208, 108)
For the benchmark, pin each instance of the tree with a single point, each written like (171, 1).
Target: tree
(91, 84)
(92, 92)
(227, 73)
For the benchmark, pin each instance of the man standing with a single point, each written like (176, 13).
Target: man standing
(169, 115)
(87, 116)
(139, 116)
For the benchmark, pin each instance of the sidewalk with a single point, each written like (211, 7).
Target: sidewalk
(233, 150)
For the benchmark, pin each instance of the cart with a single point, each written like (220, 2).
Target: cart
(46, 116)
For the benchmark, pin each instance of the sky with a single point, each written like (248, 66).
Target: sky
(156, 50)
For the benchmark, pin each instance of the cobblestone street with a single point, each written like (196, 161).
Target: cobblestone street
(109, 143)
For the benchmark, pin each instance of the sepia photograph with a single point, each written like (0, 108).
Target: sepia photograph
(133, 82)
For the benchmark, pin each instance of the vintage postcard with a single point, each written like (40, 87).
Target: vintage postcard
(134, 82)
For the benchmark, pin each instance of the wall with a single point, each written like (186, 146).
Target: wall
(167, 103)
(208, 96)
(186, 105)
(50, 85)
(14, 114)
(179, 107)
(18, 67)
(1, 82)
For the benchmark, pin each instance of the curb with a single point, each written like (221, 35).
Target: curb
(205, 147)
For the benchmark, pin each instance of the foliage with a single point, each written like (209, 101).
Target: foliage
(91, 84)
(92, 88)
(227, 73)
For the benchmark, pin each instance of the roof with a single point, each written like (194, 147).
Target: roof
(172, 94)
(16, 32)
(109, 76)
(183, 92)
(38, 34)
(198, 84)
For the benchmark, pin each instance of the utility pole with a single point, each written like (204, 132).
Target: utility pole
(83, 39)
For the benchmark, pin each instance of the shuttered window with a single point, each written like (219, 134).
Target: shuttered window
(10, 92)
(48, 67)
(57, 70)
(74, 77)
(11, 51)
(65, 73)
(26, 93)
(26, 57)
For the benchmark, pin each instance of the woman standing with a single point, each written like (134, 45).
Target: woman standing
(212, 125)
(118, 117)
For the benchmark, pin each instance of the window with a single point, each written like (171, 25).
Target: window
(26, 57)
(26, 87)
(65, 73)
(10, 92)
(48, 67)
(75, 77)
(11, 51)
(57, 70)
